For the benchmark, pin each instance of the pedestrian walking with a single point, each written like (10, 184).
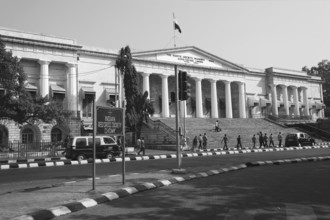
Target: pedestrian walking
(142, 147)
(225, 142)
(271, 141)
(279, 138)
(138, 143)
(265, 140)
(204, 141)
(200, 140)
(217, 126)
(195, 142)
(261, 140)
(239, 143)
(254, 139)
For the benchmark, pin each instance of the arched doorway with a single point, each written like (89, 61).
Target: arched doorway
(27, 136)
(3, 136)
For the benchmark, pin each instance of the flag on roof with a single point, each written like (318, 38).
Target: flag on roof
(176, 25)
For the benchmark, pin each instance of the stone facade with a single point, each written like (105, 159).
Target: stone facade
(59, 67)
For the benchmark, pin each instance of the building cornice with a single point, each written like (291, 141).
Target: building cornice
(27, 41)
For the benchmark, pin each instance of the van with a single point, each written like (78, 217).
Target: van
(298, 139)
(81, 147)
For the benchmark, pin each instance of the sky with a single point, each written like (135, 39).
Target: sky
(288, 34)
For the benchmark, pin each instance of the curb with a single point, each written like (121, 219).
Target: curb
(209, 152)
(130, 190)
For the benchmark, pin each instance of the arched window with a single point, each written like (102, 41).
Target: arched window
(27, 136)
(56, 135)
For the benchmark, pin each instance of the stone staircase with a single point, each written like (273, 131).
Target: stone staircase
(232, 127)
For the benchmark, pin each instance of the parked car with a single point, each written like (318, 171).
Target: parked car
(298, 139)
(81, 147)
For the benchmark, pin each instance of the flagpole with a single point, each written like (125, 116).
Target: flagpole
(174, 29)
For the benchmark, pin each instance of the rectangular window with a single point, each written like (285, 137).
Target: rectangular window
(59, 98)
(112, 100)
(88, 106)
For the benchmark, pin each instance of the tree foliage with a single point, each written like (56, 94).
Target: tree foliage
(17, 103)
(322, 70)
(138, 106)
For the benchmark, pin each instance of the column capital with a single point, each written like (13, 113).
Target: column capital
(272, 85)
(70, 65)
(283, 86)
(240, 83)
(44, 62)
(226, 81)
(213, 80)
(197, 79)
(145, 74)
(164, 76)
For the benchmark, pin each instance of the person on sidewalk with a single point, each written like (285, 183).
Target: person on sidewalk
(279, 138)
(195, 142)
(265, 141)
(225, 141)
(254, 139)
(204, 141)
(200, 140)
(138, 145)
(261, 140)
(142, 147)
(239, 143)
(271, 141)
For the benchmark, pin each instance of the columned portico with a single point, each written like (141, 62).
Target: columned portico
(199, 104)
(229, 109)
(306, 110)
(71, 91)
(274, 99)
(241, 96)
(146, 86)
(296, 101)
(285, 99)
(44, 77)
(214, 99)
(165, 104)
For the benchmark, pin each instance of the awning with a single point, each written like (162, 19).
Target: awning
(253, 101)
(319, 105)
(311, 104)
(87, 91)
(292, 104)
(56, 89)
(108, 92)
(301, 105)
(87, 125)
(265, 102)
(31, 87)
(280, 104)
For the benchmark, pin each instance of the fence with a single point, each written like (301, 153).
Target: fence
(27, 151)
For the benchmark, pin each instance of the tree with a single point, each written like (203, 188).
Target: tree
(138, 106)
(322, 70)
(19, 105)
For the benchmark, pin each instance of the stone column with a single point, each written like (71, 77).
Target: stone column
(285, 99)
(229, 109)
(146, 86)
(274, 99)
(241, 96)
(165, 104)
(214, 99)
(71, 89)
(296, 102)
(199, 103)
(306, 102)
(44, 78)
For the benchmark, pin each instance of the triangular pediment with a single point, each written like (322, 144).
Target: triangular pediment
(188, 56)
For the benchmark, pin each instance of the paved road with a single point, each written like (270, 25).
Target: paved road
(15, 179)
(292, 191)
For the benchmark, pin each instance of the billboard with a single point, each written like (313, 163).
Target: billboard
(109, 121)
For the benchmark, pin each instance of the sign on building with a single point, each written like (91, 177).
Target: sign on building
(109, 121)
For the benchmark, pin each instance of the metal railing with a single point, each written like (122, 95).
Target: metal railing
(26, 151)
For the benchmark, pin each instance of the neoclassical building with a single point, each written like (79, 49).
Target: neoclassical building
(69, 72)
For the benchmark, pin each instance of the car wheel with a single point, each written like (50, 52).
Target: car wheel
(80, 157)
